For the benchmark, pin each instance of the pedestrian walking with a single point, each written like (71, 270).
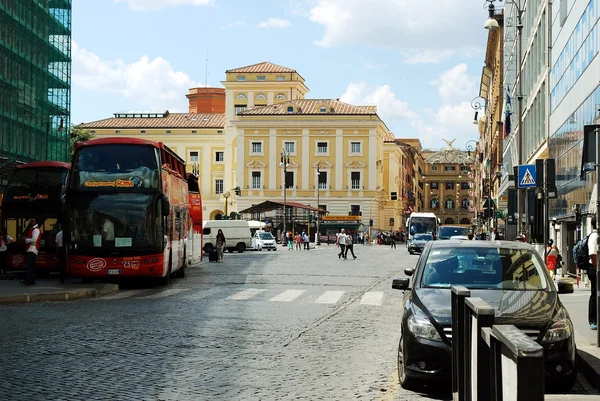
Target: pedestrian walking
(5, 239)
(298, 241)
(61, 255)
(551, 258)
(591, 273)
(349, 247)
(305, 240)
(341, 242)
(393, 241)
(221, 243)
(32, 242)
(290, 241)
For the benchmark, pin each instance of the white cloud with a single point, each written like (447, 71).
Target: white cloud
(429, 56)
(152, 83)
(275, 23)
(401, 24)
(234, 24)
(455, 84)
(154, 5)
(389, 107)
(373, 66)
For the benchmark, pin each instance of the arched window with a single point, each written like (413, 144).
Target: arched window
(260, 96)
(323, 109)
(465, 220)
(290, 109)
(449, 204)
(449, 220)
(465, 203)
(280, 96)
(241, 96)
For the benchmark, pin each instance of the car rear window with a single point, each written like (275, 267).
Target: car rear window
(484, 268)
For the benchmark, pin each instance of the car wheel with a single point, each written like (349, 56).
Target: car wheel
(241, 247)
(405, 381)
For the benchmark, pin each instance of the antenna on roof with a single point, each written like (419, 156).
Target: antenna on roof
(206, 68)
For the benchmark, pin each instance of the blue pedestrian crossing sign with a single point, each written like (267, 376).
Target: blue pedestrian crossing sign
(526, 178)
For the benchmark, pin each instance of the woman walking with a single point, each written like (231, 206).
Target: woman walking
(220, 245)
(290, 241)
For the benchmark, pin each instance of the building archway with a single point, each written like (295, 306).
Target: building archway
(449, 220)
(465, 221)
(216, 214)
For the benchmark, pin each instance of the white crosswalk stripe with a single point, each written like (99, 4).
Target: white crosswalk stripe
(372, 298)
(247, 294)
(329, 297)
(287, 296)
(166, 293)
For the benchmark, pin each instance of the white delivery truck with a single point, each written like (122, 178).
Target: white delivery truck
(237, 235)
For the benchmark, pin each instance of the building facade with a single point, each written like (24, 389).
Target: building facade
(35, 80)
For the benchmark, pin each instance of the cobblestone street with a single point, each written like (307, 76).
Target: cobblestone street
(285, 325)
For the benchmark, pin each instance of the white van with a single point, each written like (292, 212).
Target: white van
(237, 235)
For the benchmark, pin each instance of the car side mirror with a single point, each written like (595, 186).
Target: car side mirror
(400, 283)
(565, 288)
(409, 271)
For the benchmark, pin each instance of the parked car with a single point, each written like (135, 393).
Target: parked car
(418, 241)
(448, 231)
(263, 240)
(511, 277)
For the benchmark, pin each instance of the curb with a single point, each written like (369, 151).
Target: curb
(59, 296)
(589, 365)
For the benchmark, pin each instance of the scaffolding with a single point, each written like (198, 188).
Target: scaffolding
(35, 79)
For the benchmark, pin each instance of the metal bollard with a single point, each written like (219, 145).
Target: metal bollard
(459, 294)
(478, 315)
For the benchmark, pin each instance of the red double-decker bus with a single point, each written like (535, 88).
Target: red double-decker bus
(128, 210)
(34, 191)
(195, 201)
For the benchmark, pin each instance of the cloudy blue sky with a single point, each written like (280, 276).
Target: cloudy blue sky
(418, 61)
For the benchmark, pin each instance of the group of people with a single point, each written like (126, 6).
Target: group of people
(299, 240)
(346, 243)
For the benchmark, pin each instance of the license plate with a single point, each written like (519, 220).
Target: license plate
(113, 272)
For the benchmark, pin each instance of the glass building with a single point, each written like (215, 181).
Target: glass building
(35, 80)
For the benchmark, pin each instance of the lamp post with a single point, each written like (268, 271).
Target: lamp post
(318, 233)
(284, 163)
(226, 195)
(478, 103)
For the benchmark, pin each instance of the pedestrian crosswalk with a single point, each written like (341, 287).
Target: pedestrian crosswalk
(329, 297)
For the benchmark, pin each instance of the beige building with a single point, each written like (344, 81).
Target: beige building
(237, 136)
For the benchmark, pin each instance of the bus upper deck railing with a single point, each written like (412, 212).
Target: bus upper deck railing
(491, 362)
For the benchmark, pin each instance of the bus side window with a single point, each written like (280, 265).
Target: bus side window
(206, 231)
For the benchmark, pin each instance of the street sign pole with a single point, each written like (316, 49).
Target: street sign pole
(597, 133)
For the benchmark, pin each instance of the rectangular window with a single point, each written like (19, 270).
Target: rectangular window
(449, 185)
(355, 179)
(239, 108)
(256, 147)
(194, 158)
(354, 210)
(219, 156)
(322, 179)
(321, 147)
(434, 185)
(218, 186)
(354, 147)
(260, 77)
(464, 168)
(289, 179)
(464, 185)
(290, 147)
(449, 168)
(256, 180)
(433, 168)
(280, 78)
(241, 77)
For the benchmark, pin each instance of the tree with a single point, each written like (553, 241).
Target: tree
(79, 135)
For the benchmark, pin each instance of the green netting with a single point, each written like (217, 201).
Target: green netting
(35, 79)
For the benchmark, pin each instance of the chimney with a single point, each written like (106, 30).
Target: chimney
(206, 100)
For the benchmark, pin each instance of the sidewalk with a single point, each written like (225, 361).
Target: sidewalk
(588, 353)
(50, 289)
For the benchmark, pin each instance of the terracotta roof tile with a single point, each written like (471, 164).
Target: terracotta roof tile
(265, 67)
(312, 106)
(172, 120)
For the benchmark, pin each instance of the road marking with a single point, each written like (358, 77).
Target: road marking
(120, 295)
(166, 293)
(372, 298)
(329, 297)
(247, 294)
(287, 295)
(200, 294)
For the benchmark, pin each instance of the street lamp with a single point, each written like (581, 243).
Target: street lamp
(318, 234)
(284, 163)
(491, 22)
(478, 103)
(226, 195)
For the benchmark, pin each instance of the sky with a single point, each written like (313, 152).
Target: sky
(418, 61)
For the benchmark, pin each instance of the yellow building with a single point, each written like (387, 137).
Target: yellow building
(235, 136)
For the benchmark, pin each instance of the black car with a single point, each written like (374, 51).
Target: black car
(417, 243)
(447, 232)
(510, 276)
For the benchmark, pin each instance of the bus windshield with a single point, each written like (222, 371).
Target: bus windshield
(116, 166)
(36, 184)
(422, 225)
(115, 221)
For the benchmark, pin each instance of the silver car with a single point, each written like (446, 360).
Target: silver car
(418, 242)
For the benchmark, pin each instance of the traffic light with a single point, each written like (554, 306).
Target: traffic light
(371, 222)
(394, 195)
(238, 191)
(309, 217)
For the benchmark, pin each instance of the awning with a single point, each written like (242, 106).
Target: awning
(267, 206)
(340, 224)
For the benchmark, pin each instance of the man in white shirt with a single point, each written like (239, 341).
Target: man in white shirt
(342, 244)
(592, 274)
(32, 242)
(108, 230)
(5, 239)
